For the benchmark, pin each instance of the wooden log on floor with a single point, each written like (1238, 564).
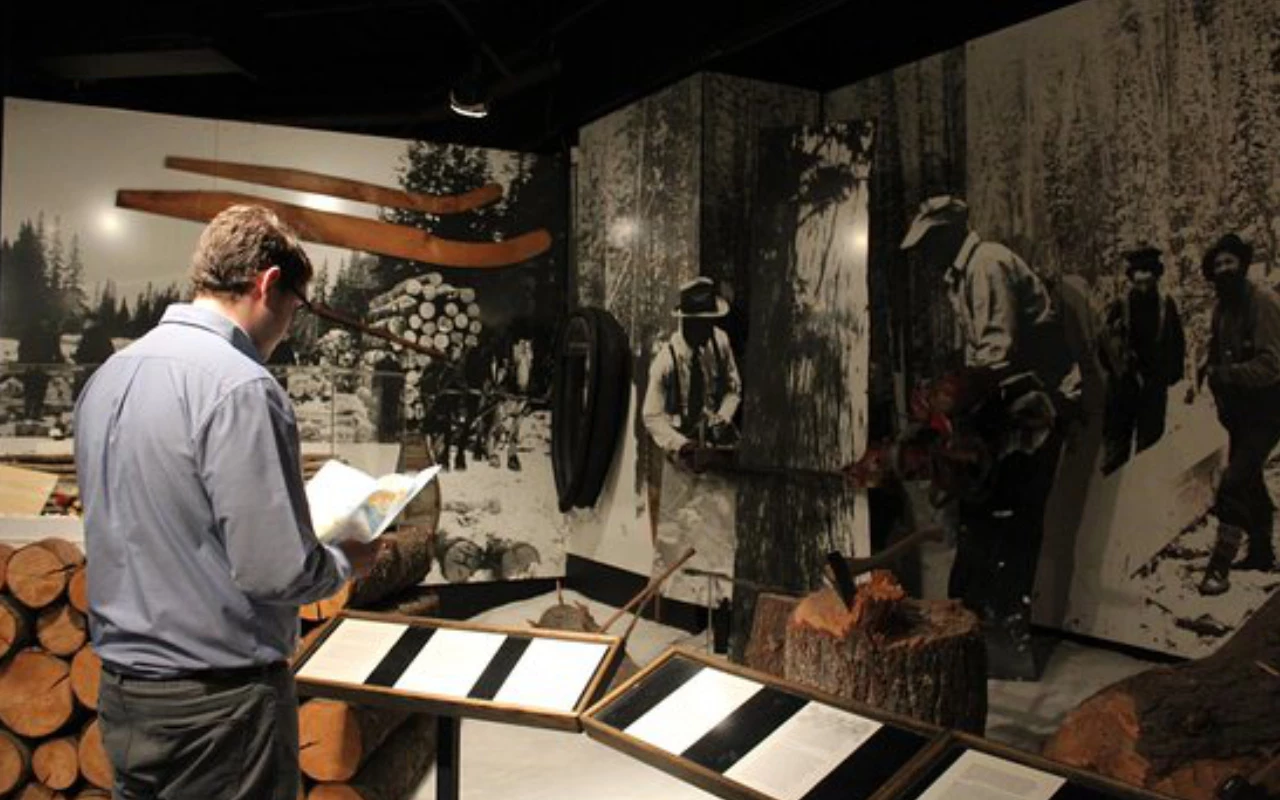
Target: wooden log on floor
(38, 791)
(1184, 728)
(86, 674)
(403, 562)
(394, 771)
(56, 762)
(35, 693)
(336, 738)
(766, 647)
(78, 590)
(16, 625)
(94, 764)
(15, 762)
(37, 575)
(61, 629)
(416, 601)
(6, 552)
(921, 659)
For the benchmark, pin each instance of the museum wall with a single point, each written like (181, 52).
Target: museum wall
(1077, 138)
(83, 275)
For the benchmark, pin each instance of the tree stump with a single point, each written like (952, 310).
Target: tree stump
(61, 629)
(78, 590)
(922, 659)
(94, 764)
(86, 673)
(1183, 729)
(15, 762)
(56, 763)
(336, 738)
(766, 649)
(35, 693)
(15, 625)
(394, 771)
(404, 562)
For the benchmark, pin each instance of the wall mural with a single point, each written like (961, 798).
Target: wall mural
(454, 248)
(1125, 151)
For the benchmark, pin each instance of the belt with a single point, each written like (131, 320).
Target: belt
(243, 674)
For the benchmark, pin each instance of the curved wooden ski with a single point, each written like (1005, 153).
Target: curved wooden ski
(334, 186)
(340, 230)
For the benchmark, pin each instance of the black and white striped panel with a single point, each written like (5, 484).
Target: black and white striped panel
(526, 670)
(775, 742)
(966, 774)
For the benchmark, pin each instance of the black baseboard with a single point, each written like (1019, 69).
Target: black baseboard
(1133, 651)
(614, 587)
(462, 601)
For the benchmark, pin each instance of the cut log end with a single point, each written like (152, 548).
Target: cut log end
(61, 629)
(336, 738)
(78, 590)
(86, 674)
(37, 791)
(35, 693)
(56, 763)
(94, 764)
(15, 762)
(15, 625)
(6, 552)
(37, 576)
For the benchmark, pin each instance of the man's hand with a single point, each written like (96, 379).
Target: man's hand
(361, 555)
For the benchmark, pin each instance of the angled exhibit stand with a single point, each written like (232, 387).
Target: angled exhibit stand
(524, 676)
(744, 735)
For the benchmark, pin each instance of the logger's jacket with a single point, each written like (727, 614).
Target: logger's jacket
(668, 412)
(1244, 350)
(1144, 338)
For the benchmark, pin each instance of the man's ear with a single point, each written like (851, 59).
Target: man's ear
(268, 278)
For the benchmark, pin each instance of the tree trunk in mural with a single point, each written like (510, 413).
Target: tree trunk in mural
(922, 659)
(1183, 729)
(805, 398)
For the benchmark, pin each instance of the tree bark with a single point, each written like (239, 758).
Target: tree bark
(94, 764)
(15, 762)
(1183, 729)
(61, 630)
(56, 763)
(922, 659)
(766, 649)
(78, 590)
(416, 601)
(394, 771)
(15, 625)
(404, 562)
(335, 738)
(35, 693)
(86, 673)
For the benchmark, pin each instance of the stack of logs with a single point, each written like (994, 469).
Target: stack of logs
(50, 746)
(352, 752)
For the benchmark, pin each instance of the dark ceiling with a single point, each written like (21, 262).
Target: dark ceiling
(385, 68)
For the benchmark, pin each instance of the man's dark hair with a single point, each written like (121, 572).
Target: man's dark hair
(241, 242)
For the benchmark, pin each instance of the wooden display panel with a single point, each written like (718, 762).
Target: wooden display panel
(744, 735)
(971, 768)
(523, 676)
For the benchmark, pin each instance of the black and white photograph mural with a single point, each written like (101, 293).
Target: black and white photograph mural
(1125, 151)
(459, 250)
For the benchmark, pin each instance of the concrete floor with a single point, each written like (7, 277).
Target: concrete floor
(516, 763)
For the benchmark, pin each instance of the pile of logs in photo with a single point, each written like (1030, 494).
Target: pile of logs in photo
(918, 658)
(50, 746)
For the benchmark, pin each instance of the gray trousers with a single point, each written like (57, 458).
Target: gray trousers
(212, 739)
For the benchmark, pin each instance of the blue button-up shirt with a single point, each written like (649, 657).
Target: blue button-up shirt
(198, 537)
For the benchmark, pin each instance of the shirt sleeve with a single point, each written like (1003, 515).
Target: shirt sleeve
(251, 468)
(993, 312)
(733, 382)
(1264, 368)
(654, 411)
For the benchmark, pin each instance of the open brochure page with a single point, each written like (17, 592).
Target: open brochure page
(978, 776)
(347, 503)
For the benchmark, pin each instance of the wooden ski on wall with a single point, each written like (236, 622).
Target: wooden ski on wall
(340, 230)
(334, 186)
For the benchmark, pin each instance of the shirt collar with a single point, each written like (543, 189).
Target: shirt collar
(210, 320)
(958, 267)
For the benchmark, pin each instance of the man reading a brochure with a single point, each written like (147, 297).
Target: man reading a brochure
(199, 540)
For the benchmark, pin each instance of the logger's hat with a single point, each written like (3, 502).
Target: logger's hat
(943, 209)
(1144, 258)
(699, 299)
